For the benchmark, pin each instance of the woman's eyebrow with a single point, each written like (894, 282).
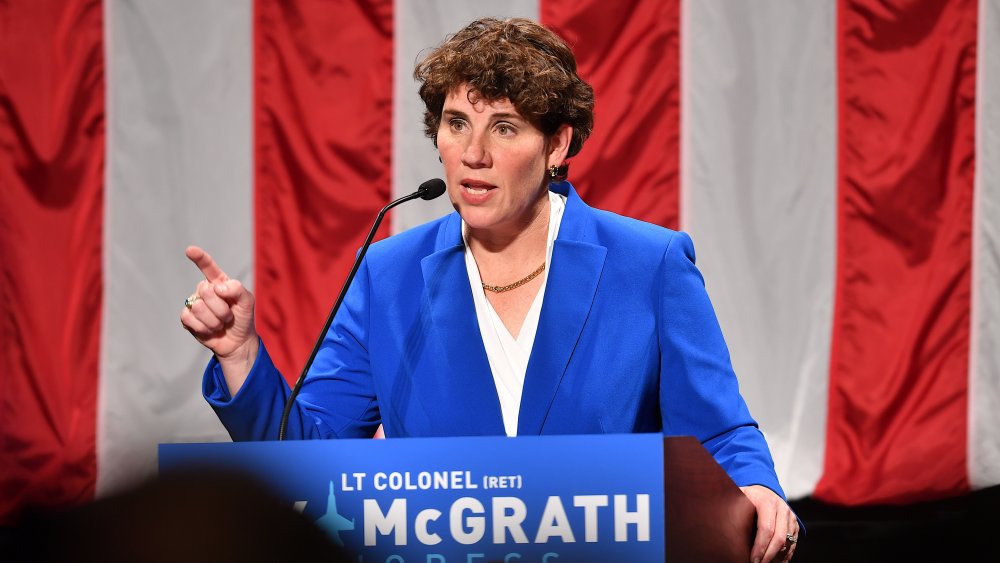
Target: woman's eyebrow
(500, 115)
(506, 115)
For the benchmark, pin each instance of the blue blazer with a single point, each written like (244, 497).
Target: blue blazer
(627, 342)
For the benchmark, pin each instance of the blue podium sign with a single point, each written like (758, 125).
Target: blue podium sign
(442, 500)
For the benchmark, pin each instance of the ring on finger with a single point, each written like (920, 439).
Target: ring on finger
(191, 299)
(791, 538)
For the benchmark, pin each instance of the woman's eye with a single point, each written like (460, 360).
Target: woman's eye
(504, 129)
(457, 124)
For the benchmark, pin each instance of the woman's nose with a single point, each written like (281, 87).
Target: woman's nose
(476, 153)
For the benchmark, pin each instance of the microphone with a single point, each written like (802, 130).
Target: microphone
(427, 191)
(430, 189)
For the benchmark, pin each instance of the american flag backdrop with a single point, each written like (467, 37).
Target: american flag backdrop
(836, 162)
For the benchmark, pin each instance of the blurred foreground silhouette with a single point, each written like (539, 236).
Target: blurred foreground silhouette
(191, 517)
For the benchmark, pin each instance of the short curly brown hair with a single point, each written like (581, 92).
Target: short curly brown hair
(516, 59)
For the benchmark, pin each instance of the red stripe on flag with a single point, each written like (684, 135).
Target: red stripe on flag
(323, 117)
(51, 286)
(630, 53)
(896, 429)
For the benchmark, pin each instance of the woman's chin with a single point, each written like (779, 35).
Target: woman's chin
(477, 220)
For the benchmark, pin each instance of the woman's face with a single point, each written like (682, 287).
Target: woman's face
(495, 162)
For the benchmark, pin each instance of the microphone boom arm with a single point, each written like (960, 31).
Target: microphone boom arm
(428, 190)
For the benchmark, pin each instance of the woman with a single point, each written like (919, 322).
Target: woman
(526, 312)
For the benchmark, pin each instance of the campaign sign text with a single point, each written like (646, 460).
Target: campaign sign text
(478, 499)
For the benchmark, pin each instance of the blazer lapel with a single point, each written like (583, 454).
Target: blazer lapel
(466, 391)
(569, 295)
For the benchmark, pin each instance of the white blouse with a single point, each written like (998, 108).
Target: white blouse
(508, 356)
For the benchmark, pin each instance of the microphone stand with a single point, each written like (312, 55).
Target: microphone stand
(428, 190)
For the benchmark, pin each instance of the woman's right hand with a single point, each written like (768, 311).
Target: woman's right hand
(221, 317)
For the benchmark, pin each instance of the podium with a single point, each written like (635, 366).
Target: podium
(636, 497)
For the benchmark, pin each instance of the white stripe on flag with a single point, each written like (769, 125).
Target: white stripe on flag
(984, 369)
(758, 196)
(421, 26)
(178, 173)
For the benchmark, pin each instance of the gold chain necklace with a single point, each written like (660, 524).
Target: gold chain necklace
(517, 284)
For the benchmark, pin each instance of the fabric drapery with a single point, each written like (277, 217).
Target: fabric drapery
(833, 161)
(52, 120)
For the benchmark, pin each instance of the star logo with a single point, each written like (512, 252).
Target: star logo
(332, 521)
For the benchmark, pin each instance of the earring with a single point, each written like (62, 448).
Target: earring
(553, 171)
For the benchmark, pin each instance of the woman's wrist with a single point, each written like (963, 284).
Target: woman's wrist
(236, 365)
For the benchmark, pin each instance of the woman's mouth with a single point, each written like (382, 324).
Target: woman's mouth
(476, 191)
(476, 187)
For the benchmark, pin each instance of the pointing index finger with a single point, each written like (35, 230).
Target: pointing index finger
(213, 273)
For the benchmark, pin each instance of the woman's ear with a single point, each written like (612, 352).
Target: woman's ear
(559, 145)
